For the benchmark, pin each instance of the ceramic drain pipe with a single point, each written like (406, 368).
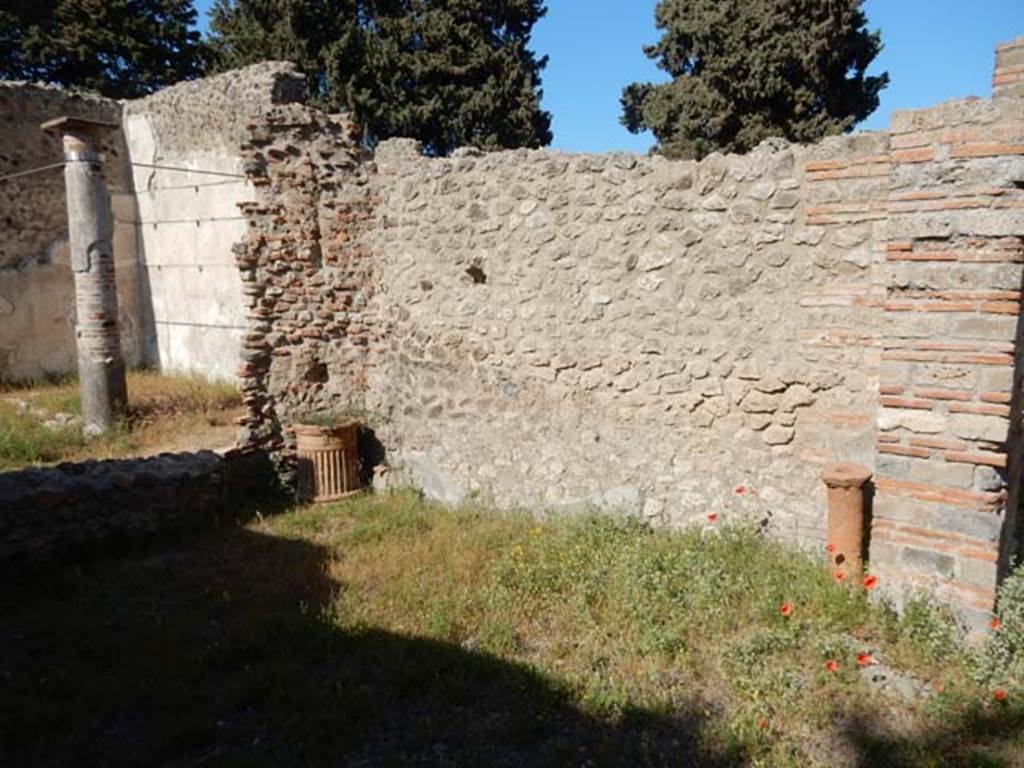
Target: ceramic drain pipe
(846, 512)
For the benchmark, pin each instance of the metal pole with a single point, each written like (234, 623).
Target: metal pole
(101, 373)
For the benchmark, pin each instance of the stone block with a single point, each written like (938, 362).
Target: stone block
(983, 526)
(931, 472)
(971, 426)
(980, 573)
(995, 379)
(924, 422)
(929, 562)
(760, 402)
(777, 434)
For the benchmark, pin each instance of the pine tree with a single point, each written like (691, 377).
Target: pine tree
(120, 48)
(746, 70)
(445, 72)
(304, 32)
(450, 72)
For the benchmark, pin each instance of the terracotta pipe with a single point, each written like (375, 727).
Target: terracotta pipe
(845, 482)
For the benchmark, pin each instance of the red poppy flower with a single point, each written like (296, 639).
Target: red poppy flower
(740, 490)
(999, 694)
(995, 624)
(830, 548)
(870, 582)
(839, 575)
(713, 517)
(865, 659)
(832, 666)
(762, 723)
(786, 609)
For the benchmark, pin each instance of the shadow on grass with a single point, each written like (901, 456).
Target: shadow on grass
(220, 654)
(981, 738)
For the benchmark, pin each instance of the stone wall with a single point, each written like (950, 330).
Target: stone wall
(37, 305)
(570, 330)
(71, 510)
(188, 220)
(670, 338)
(560, 332)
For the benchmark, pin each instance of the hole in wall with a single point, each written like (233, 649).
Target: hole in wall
(317, 373)
(477, 275)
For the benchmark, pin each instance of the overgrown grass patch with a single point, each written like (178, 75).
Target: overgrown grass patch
(629, 618)
(40, 423)
(388, 631)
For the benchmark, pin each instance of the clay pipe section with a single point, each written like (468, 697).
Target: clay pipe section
(845, 483)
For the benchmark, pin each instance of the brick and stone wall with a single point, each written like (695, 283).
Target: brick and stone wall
(952, 247)
(1008, 79)
(671, 338)
(305, 272)
(565, 331)
(37, 308)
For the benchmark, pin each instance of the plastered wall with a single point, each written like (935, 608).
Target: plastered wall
(188, 220)
(37, 305)
(174, 226)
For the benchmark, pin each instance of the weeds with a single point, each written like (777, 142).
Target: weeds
(41, 424)
(387, 631)
(628, 617)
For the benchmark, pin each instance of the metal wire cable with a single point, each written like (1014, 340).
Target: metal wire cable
(31, 171)
(154, 190)
(179, 169)
(158, 222)
(189, 170)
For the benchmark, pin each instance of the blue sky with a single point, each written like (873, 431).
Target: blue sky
(935, 50)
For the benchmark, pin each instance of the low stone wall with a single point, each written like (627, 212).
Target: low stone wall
(52, 514)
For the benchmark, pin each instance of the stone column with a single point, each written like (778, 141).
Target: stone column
(101, 371)
(845, 483)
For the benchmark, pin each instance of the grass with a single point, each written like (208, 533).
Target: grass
(387, 631)
(165, 413)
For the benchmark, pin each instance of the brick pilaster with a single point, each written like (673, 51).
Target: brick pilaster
(954, 262)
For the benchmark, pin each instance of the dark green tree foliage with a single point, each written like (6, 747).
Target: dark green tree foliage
(120, 48)
(445, 72)
(745, 70)
(450, 72)
(306, 32)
